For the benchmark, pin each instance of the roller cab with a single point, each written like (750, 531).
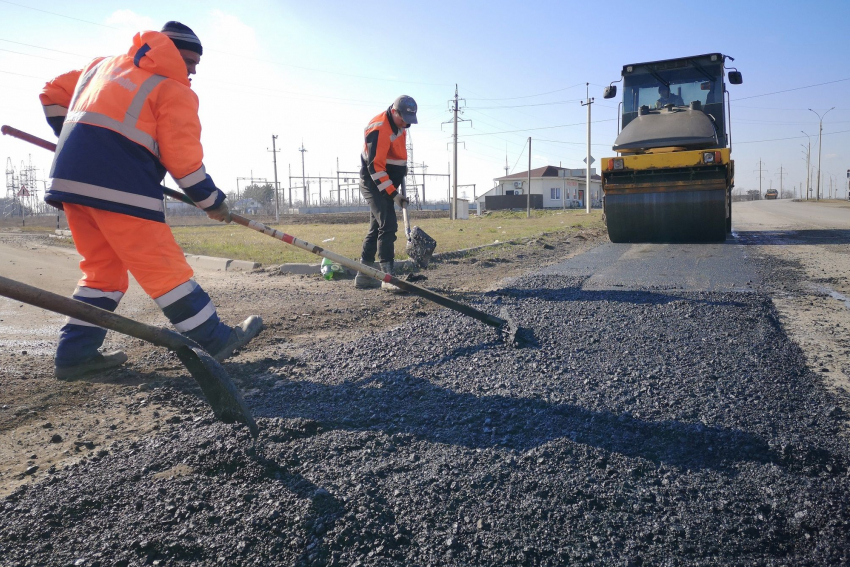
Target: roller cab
(673, 176)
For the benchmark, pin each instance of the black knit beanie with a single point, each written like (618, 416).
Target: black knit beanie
(183, 37)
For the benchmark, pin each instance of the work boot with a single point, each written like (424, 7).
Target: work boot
(240, 336)
(362, 281)
(98, 363)
(387, 267)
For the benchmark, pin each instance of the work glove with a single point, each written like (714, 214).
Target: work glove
(221, 213)
(400, 200)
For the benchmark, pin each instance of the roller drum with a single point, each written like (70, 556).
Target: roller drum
(672, 216)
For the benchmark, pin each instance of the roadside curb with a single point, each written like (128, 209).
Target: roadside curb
(220, 264)
(227, 264)
(401, 266)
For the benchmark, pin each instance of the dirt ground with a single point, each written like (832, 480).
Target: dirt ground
(807, 267)
(45, 423)
(815, 309)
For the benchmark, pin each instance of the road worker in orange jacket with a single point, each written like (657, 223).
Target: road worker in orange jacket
(383, 167)
(123, 122)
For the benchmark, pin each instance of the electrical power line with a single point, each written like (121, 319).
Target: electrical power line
(531, 96)
(55, 14)
(40, 47)
(527, 105)
(21, 74)
(539, 128)
(794, 89)
(30, 55)
(521, 153)
(789, 138)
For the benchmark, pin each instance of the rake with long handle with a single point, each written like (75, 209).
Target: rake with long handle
(513, 334)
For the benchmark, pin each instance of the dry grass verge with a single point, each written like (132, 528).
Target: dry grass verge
(238, 243)
(346, 238)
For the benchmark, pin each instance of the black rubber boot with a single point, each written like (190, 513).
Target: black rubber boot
(240, 336)
(387, 267)
(99, 363)
(362, 281)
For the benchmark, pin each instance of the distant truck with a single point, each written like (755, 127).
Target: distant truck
(771, 194)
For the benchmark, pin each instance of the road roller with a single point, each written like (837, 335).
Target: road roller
(673, 176)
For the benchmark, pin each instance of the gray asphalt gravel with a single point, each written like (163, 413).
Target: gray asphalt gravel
(644, 428)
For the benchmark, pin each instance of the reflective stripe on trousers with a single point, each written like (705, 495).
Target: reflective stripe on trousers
(78, 340)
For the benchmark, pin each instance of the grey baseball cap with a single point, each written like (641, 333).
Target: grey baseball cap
(406, 107)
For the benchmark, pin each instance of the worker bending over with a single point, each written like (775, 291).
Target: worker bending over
(123, 122)
(383, 167)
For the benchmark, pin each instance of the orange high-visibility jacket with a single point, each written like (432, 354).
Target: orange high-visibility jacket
(383, 163)
(128, 119)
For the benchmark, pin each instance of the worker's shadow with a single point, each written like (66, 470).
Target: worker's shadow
(398, 401)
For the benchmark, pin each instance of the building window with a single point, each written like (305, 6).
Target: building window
(556, 192)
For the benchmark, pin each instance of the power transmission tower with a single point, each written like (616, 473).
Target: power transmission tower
(455, 108)
(589, 159)
(11, 182)
(274, 152)
(303, 177)
(411, 172)
(289, 165)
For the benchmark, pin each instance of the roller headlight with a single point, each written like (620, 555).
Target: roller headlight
(708, 157)
(618, 164)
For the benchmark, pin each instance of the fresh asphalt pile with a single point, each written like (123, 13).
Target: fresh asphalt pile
(644, 428)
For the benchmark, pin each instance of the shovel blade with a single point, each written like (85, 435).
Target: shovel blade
(420, 247)
(225, 399)
(514, 335)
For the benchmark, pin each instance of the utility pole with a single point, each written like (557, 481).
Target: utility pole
(760, 176)
(781, 174)
(528, 194)
(455, 109)
(290, 184)
(303, 178)
(820, 143)
(589, 159)
(808, 166)
(454, 179)
(274, 152)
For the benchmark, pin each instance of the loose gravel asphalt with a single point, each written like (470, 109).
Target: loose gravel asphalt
(643, 428)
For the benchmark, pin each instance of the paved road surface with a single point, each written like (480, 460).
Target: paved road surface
(711, 267)
(785, 215)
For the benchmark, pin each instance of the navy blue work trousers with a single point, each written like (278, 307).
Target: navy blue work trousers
(383, 227)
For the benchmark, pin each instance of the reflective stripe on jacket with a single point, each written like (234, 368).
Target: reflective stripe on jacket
(127, 120)
(383, 163)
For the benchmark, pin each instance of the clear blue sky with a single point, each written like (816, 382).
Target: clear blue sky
(318, 71)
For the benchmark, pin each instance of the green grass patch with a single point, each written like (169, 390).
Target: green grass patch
(239, 243)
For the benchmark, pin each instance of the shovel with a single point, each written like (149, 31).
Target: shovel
(511, 332)
(221, 393)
